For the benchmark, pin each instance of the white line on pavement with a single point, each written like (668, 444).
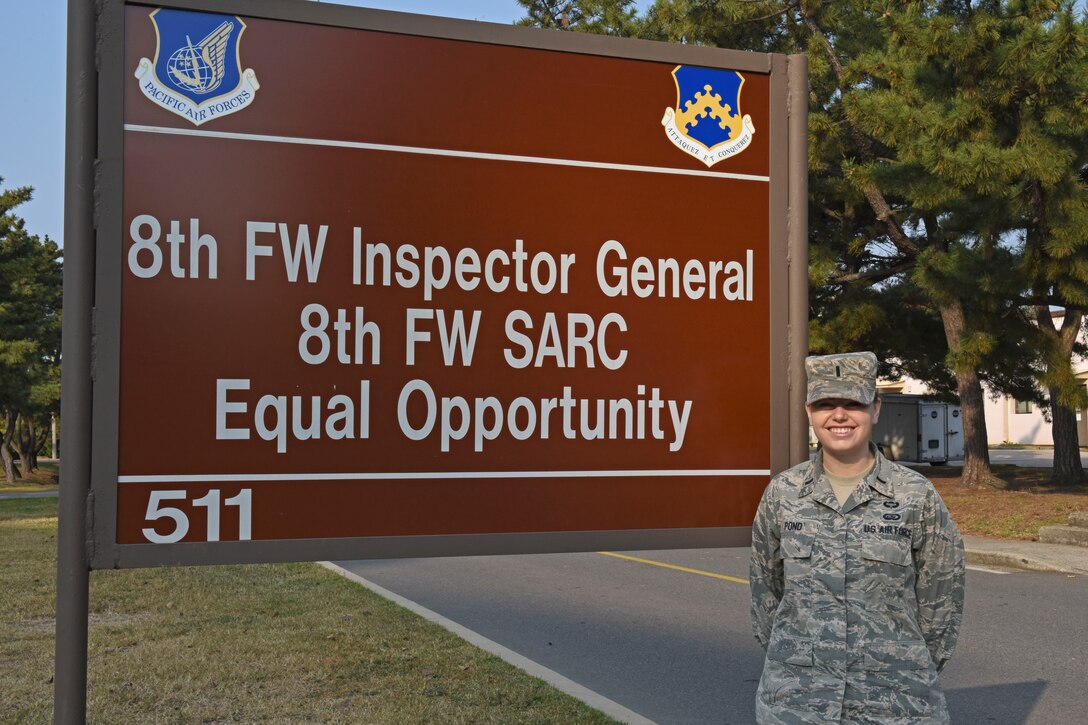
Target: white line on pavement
(974, 567)
(553, 678)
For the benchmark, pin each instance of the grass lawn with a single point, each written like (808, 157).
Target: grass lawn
(285, 643)
(44, 479)
(1016, 513)
(294, 643)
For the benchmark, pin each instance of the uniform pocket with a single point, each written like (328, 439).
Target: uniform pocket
(902, 683)
(889, 552)
(797, 547)
(797, 565)
(791, 650)
(902, 655)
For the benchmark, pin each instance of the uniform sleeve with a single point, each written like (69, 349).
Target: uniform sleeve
(765, 566)
(939, 584)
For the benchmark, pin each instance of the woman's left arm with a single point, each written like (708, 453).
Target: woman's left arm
(939, 583)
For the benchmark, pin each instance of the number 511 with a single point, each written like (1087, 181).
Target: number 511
(212, 501)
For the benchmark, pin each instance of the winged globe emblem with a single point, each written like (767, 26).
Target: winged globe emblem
(200, 68)
(202, 80)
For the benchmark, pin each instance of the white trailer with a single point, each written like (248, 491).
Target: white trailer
(919, 429)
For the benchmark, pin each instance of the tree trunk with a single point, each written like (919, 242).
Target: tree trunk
(1068, 470)
(24, 440)
(10, 471)
(32, 444)
(976, 450)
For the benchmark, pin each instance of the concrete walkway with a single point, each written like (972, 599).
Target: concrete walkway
(1028, 457)
(1031, 555)
(29, 494)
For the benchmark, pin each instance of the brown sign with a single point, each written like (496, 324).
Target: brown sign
(432, 286)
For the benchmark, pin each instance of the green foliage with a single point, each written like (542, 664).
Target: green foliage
(883, 319)
(601, 17)
(761, 25)
(948, 157)
(30, 319)
(969, 119)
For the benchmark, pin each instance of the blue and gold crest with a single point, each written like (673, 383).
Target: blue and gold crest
(707, 122)
(197, 72)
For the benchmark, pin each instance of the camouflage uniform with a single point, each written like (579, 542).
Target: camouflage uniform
(858, 606)
(849, 375)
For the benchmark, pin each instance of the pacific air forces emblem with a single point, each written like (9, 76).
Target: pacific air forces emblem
(197, 72)
(707, 122)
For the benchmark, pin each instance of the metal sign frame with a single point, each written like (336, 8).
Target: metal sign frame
(788, 299)
(787, 289)
(109, 266)
(93, 271)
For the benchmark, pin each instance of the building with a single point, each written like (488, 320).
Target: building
(1009, 420)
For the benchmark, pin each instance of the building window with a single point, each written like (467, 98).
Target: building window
(1023, 406)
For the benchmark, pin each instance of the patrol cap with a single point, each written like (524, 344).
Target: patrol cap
(850, 376)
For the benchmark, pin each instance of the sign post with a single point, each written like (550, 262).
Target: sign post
(368, 284)
(73, 573)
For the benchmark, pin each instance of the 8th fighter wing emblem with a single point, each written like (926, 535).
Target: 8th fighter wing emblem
(197, 72)
(707, 122)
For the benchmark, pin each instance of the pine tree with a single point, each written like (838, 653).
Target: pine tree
(1047, 117)
(985, 106)
(30, 308)
(928, 133)
(601, 17)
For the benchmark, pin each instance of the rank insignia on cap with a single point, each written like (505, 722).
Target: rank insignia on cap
(847, 376)
(197, 72)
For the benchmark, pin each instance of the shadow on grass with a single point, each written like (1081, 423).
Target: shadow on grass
(1019, 478)
(46, 478)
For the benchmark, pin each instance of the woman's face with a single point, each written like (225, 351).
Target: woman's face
(843, 427)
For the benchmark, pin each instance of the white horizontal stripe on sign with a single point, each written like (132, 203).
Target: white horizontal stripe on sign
(438, 152)
(249, 477)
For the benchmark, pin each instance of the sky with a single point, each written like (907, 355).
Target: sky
(32, 110)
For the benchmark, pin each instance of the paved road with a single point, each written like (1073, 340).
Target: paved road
(675, 646)
(1030, 457)
(28, 494)
(1036, 458)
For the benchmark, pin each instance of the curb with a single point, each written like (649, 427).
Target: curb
(1013, 561)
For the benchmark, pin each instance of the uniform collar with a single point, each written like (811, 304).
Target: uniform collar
(878, 479)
